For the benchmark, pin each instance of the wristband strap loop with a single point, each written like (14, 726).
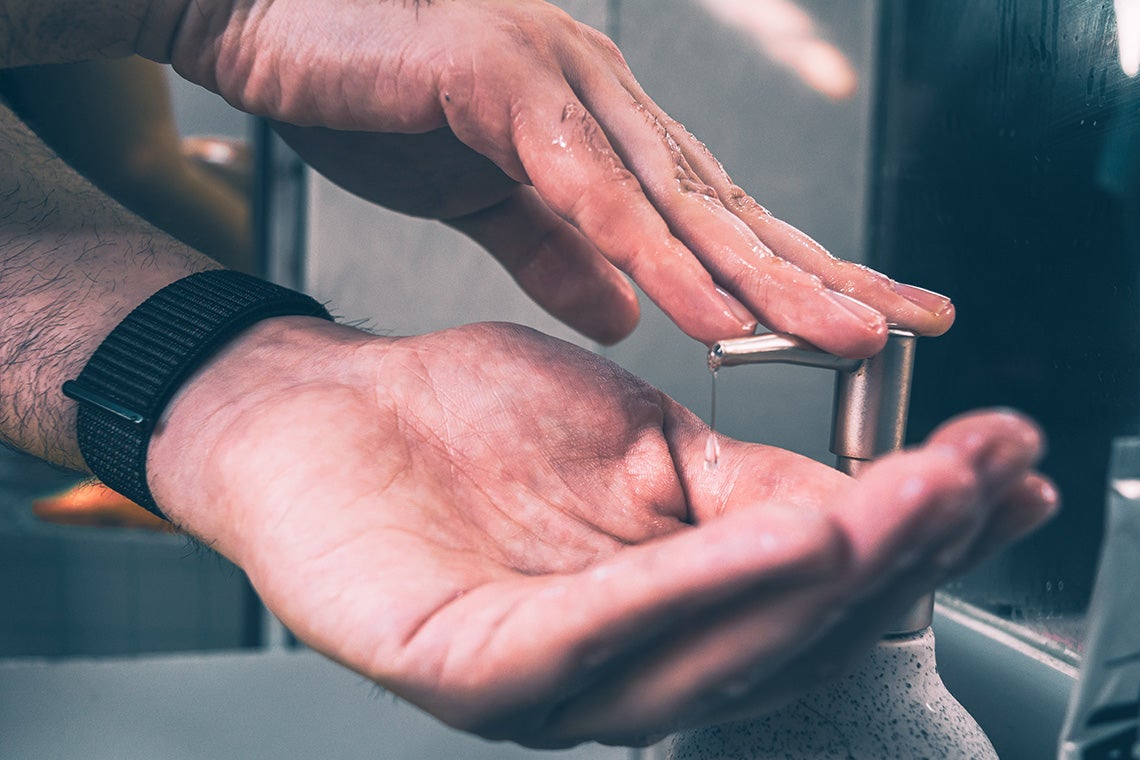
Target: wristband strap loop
(139, 367)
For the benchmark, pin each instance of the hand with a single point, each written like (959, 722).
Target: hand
(610, 179)
(524, 540)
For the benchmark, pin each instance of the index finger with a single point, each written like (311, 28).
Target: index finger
(781, 293)
(907, 306)
(574, 168)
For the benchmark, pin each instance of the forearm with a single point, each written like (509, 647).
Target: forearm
(138, 159)
(72, 265)
(58, 31)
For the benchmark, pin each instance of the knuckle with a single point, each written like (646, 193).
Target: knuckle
(690, 183)
(739, 201)
(604, 44)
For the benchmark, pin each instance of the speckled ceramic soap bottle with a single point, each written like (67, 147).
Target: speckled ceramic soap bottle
(895, 707)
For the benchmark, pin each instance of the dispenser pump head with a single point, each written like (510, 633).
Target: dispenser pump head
(872, 397)
(871, 404)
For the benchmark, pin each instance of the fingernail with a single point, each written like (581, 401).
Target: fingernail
(739, 310)
(1004, 457)
(864, 313)
(935, 303)
(1047, 496)
(1049, 501)
(1046, 499)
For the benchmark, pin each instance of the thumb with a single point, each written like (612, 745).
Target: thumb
(555, 265)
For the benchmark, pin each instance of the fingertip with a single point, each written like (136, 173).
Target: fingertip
(709, 326)
(938, 310)
(600, 305)
(608, 330)
(737, 309)
(928, 300)
(1038, 495)
(858, 330)
(941, 323)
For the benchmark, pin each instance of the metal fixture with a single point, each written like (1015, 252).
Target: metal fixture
(869, 414)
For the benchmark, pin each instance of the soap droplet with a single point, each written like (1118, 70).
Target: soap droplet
(712, 445)
(712, 451)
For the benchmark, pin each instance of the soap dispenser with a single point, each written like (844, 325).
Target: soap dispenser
(895, 705)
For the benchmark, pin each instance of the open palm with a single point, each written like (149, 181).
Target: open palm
(523, 539)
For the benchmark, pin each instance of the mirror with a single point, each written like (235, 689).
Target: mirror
(1005, 172)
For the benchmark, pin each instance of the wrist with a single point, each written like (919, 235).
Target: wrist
(131, 377)
(237, 414)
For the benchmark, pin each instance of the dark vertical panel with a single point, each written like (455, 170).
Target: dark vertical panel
(1006, 174)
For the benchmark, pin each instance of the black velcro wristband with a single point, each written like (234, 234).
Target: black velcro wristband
(135, 372)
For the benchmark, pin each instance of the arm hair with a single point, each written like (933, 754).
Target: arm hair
(73, 263)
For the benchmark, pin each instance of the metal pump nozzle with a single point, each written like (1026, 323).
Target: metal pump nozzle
(872, 397)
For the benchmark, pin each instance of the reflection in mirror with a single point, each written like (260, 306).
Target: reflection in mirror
(1006, 173)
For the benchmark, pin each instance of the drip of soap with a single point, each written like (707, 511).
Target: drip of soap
(712, 444)
(712, 452)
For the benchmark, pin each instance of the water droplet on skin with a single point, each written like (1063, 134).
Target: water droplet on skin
(766, 542)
